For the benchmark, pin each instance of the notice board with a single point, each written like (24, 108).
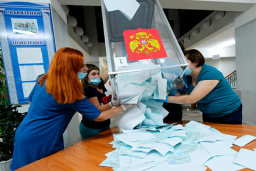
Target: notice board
(27, 44)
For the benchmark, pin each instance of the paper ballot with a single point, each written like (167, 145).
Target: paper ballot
(141, 147)
(132, 117)
(242, 141)
(127, 7)
(113, 5)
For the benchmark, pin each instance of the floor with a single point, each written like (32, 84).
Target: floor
(191, 114)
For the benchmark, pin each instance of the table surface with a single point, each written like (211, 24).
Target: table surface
(89, 153)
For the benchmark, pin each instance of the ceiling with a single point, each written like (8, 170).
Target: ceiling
(226, 35)
(219, 5)
(226, 5)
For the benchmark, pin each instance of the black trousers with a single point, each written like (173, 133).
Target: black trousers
(175, 111)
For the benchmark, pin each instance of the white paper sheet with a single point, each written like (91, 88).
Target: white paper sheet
(29, 55)
(217, 148)
(246, 158)
(124, 138)
(199, 157)
(131, 90)
(163, 148)
(141, 167)
(129, 8)
(242, 141)
(142, 135)
(228, 138)
(172, 141)
(120, 61)
(130, 118)
(177, 167)
(27, 88)
(162, 86)
(31, 72)
(158, 119)
(164, 112)
(198, 125)
(178, 134)
(210, 136)
(148, 122)
(223, 163)
(113, 5)
(130, 100)
(178, 127)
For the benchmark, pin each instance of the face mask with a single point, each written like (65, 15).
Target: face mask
(188, 70)
(81, 75)
(95, 81)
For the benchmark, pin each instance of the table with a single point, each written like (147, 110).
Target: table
(89, 153)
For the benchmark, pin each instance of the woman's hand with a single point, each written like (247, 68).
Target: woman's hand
(114, 102)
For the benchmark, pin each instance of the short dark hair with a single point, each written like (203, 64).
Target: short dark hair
(85, 82)
(195, 56)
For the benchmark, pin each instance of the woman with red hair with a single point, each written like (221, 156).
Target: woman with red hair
(54, 100)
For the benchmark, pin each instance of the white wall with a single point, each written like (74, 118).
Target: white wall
(223, 52)
(245, 33)
(224, 65)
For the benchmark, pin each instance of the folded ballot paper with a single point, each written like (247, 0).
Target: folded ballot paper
(127, 7)
(142, 89)
(174, 147)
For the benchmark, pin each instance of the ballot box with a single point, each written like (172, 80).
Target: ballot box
(143, 54)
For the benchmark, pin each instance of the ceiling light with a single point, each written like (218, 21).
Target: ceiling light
(85, 38)
(186, 38)
(195, 32)
(206, 23)
(79, 31)
(89, 44)
(219, 15)
(66, 9)
(72, 21)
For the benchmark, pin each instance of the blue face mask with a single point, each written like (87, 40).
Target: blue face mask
(81, 75)
(95, 81)
(188, 71)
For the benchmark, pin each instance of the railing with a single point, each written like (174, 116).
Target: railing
(232, 79)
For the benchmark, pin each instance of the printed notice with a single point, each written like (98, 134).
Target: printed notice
(27, 88)
(31, 72)
(29, 55)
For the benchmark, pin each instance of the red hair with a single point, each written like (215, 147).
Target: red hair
(62, 78)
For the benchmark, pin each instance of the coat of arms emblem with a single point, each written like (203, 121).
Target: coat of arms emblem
(143, 44)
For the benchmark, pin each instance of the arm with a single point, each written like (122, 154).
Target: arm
(95, 102)
(109, 114)
(200, 91)
(104, 75)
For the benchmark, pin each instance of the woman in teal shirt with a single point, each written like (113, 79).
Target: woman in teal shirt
(210, 90)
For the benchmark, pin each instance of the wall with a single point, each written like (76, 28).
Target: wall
(225, 65)
(216, 27)
(245, 34)
(223, 52)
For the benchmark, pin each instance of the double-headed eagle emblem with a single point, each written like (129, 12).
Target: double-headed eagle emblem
(143, 42)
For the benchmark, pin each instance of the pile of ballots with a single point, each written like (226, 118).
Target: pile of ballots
(178, 148)
(145, 89)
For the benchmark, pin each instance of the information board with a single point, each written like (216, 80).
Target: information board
(27, 45)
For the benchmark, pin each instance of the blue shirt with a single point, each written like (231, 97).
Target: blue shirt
(222, 100)
(40, 133)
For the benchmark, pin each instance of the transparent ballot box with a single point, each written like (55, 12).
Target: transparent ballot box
(141, 48)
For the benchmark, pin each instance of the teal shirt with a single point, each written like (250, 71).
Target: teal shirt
(222, 100)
